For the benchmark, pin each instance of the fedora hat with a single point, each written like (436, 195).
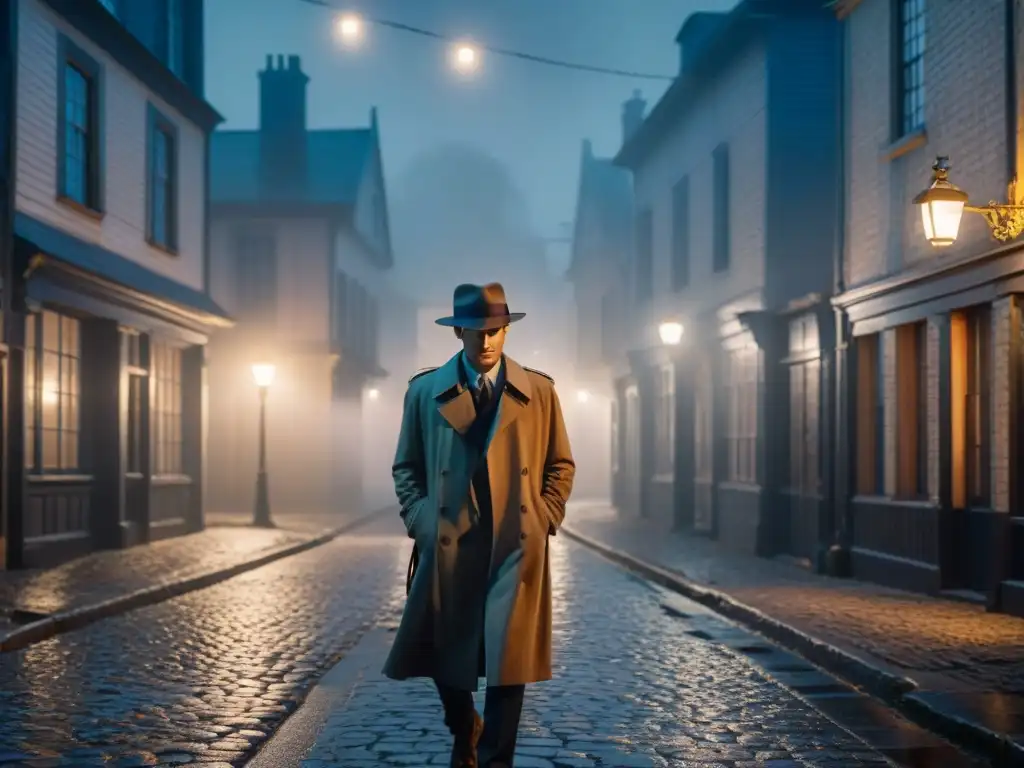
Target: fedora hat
(480, 308)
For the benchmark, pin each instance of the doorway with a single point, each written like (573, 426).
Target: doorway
(970, 386)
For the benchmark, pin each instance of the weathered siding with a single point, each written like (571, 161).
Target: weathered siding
(124, 105)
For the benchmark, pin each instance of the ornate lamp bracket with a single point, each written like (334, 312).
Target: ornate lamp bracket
(1006, 220)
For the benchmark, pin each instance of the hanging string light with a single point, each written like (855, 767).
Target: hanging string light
(465, 56)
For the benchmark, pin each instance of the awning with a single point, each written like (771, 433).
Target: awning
(103, 274)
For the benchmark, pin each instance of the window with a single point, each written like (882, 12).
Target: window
(174, 41)
(256, 277)
(870, 417)
(741, 424)
(910, 63)
(971, 374)
(644, 275)
(79, 155)
(720, 246)
(166, 410)
(664, 422)
(52, 391)
(681, 234)
(163, 182)
(911, 414)
(138, 379)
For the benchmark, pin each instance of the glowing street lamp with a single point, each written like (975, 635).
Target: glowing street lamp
(465, 58)
(943, 205)
(263, 374)
(373, 394)
(583, 396)
(670, 333)
(349, 28)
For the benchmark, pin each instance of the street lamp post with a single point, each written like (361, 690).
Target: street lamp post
(263, 373)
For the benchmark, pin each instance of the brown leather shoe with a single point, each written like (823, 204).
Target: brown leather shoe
(464, 748)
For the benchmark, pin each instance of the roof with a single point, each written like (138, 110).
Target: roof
(607, 189)
(721, 42)
(335, 161)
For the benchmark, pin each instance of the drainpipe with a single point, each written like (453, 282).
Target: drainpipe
(837, 559)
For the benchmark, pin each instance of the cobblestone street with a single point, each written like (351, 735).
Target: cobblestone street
(638, 683)
(643, 678)
(202, 677)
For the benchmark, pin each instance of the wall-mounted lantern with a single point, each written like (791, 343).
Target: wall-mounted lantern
(943, 205)
(670, 333)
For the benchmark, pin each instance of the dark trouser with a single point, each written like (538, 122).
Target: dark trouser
(503, 707)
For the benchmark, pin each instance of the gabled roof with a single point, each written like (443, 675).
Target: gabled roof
(606, 193)
(336, 160)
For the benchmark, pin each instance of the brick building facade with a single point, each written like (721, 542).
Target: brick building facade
(735, 171)
(932, 336)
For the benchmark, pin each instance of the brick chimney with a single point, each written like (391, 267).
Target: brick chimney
(283, 124)
(632, 115)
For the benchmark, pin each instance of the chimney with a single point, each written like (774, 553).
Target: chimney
(283, 123)
(696, 32)
(632, 115)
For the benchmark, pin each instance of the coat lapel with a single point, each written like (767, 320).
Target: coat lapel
(514, 397)
(454, 399)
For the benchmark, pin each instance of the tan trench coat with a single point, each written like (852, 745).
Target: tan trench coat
(452, 604)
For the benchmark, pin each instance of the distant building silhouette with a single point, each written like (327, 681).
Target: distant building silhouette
(300, 245)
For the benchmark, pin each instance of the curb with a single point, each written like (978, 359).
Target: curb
(76, 618)
(895, 690)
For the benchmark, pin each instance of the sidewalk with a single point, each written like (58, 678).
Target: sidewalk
(103, 583)
(949, 661)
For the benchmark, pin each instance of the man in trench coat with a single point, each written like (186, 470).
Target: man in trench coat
(483, 471)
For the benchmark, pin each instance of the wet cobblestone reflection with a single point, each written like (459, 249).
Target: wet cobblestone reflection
(203, 677)
(631, 689)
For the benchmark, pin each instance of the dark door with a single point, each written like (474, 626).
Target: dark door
(703, 448)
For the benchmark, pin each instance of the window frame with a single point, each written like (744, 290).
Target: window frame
(643, 239)
(160, 416)
(158, 124)
(681, 234)
(35, 427)
(721, 245)
(908, 61)
(71, 56)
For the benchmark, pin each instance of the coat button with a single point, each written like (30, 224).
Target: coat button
(525, 471)
(523, 509)
(522, 536)
(445, 541)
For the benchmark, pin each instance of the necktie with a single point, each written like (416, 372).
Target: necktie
(483, 392)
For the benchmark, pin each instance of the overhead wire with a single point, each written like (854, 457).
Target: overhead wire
(507, 52)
